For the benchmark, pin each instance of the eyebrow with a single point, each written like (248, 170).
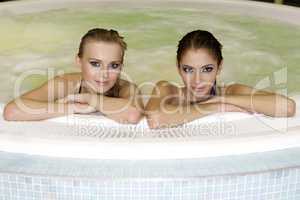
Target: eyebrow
(102, 61)
(208, 65)
(95, 59)
(201, 66)
(187, 66)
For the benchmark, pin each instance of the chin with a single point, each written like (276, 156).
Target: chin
(200, 95)
(102, 90)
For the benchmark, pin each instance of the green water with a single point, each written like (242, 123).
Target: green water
(254, 49)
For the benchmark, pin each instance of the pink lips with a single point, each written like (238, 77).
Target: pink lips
(198, 89)
(101, 83)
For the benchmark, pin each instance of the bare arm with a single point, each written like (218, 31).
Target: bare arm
(259, 101)
(128, 108)
(40, 104)
(161, 114)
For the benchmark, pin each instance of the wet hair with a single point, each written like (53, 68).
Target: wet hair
(200, 39)
(101, 35)
(104, 35)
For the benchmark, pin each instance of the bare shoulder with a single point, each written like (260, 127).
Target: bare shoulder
(162, 92)
(69, 77)
(56, 86)
(241, 89)
(70, 80)
(125, 83)
(164, 88)
(127, 88)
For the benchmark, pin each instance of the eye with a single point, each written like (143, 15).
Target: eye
(114, 65)
(187, 69)
(207, 69)
(95, 64)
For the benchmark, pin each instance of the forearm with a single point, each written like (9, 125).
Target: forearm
(31, 110)
(118, 109)
(271, 105)
(171, 116)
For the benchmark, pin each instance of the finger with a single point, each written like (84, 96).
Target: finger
(62, 100)
(91, 109)
(71, 98)
(85, 108)
(76, 98)
(79, 98)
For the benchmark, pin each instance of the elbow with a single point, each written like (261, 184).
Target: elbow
(286, 110)
(134, 115)
(291, 108)
(154, 120)
(152, 123)
(10, 112)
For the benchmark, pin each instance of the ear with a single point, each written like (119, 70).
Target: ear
(122, 64)
(78, 61)
(220, 67)
(178, 67)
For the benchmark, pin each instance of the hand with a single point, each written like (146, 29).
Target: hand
(76, 98)
(79, 108)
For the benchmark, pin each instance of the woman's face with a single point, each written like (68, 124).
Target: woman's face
(198, 70)
(101, 64)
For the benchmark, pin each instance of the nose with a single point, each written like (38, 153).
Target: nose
(104, 74)
(196, 79)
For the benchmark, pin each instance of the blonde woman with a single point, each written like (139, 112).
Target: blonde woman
(98, 87)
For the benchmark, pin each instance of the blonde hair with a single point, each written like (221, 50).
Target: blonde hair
(100, 34)
(104, 35)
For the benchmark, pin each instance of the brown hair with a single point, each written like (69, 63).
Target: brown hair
(100, 34)
(200, 39)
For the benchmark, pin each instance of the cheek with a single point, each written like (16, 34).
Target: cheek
(209, 76)
(113, 76)
(187, 78)
(209, 79)
(87, 71)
